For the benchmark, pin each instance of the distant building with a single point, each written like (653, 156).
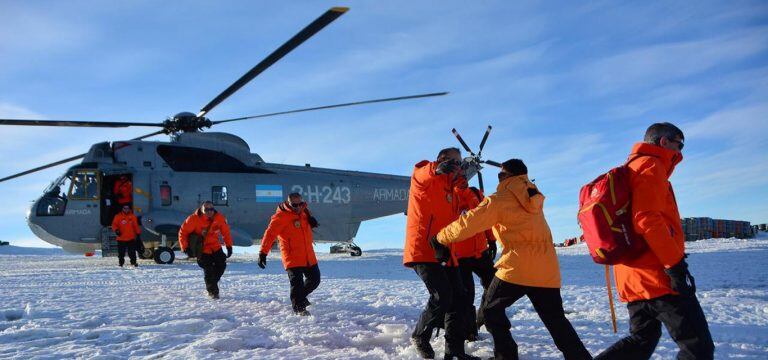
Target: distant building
(706, 228)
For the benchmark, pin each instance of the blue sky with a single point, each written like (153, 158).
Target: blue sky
(568, 88)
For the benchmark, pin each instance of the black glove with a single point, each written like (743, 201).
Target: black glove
(138, 238)
(681, 279)
(117, 232)
(229, 251)
(262, 260)
(447, 167)
(442, 252)
(313, 222)
(492, 249)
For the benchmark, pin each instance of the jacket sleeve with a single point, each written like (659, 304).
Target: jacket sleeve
(479, 219)
(115, 223)
(186, 228)
(136, 226)
(226, 232)
(273, 230)
(648, 204)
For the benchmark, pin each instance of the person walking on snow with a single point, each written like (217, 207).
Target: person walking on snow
(431, 205)
(292, 225)
(126, 227)
(210, 225)
(528, 264)
(657, 286)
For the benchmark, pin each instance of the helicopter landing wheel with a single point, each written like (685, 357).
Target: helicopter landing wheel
(355, 250)
(148, 253)
(164, 255)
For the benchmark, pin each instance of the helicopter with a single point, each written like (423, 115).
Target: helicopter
(169, 179)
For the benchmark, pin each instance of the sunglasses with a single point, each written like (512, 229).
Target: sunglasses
(297, 204)
(504, 175)
(208, 209)
(679, 143)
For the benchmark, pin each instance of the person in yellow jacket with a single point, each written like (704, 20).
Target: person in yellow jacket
(528, 264)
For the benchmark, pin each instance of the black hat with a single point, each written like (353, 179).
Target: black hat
(515, 167)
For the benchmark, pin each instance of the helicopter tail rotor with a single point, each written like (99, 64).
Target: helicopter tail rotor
(473, 163)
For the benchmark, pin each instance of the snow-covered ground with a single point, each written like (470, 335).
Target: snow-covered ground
(61, 306)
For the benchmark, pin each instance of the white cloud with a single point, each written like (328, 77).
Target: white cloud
(660, 64)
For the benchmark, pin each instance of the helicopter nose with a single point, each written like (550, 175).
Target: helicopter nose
(30, 216)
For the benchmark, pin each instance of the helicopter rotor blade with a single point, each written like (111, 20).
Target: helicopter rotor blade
(73, 158)
(332, 106)
(43, 167)
(74, 123)
(482, 143)
(464, 144)
(492, 163)
(480, 180)
(310, 30)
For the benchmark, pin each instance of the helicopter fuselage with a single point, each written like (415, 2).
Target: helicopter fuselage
(171, 179)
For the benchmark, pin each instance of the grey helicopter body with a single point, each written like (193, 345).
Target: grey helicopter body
(170, 179)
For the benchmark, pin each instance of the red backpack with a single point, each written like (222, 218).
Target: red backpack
(605, 217)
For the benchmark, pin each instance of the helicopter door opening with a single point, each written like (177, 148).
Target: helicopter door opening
(117, 189)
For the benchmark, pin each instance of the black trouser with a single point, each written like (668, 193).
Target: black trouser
(304, 280)
(483, 268)
(213, 268)
(685, 322)
(547, 303)
(122, 247)
(444, 308)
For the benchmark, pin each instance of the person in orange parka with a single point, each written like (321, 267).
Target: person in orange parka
(475, 255)
(126, 227)
(292, 224)
(528, 264)
(123, 191)
(657, 285)
(210, 225)
(431, 206)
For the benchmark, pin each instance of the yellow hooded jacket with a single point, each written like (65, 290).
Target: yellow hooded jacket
(517, 219)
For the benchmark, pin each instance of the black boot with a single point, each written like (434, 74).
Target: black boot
(423, 347)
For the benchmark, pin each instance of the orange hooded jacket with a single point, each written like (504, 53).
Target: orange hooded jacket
(198, 223)
(528, 257)
(127, 225)
(474, 246)
(657, 220)
(292, 230)
(123, 190)
(431, 206)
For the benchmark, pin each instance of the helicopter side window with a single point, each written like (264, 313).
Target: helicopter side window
(165, 195)
(219, 195)
(187, 159)
(85, 185)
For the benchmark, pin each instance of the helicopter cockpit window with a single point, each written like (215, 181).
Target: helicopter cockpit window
(54, 200)
(85, 185)
(219, 195)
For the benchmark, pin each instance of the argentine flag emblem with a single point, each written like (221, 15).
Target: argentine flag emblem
(269, 193)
